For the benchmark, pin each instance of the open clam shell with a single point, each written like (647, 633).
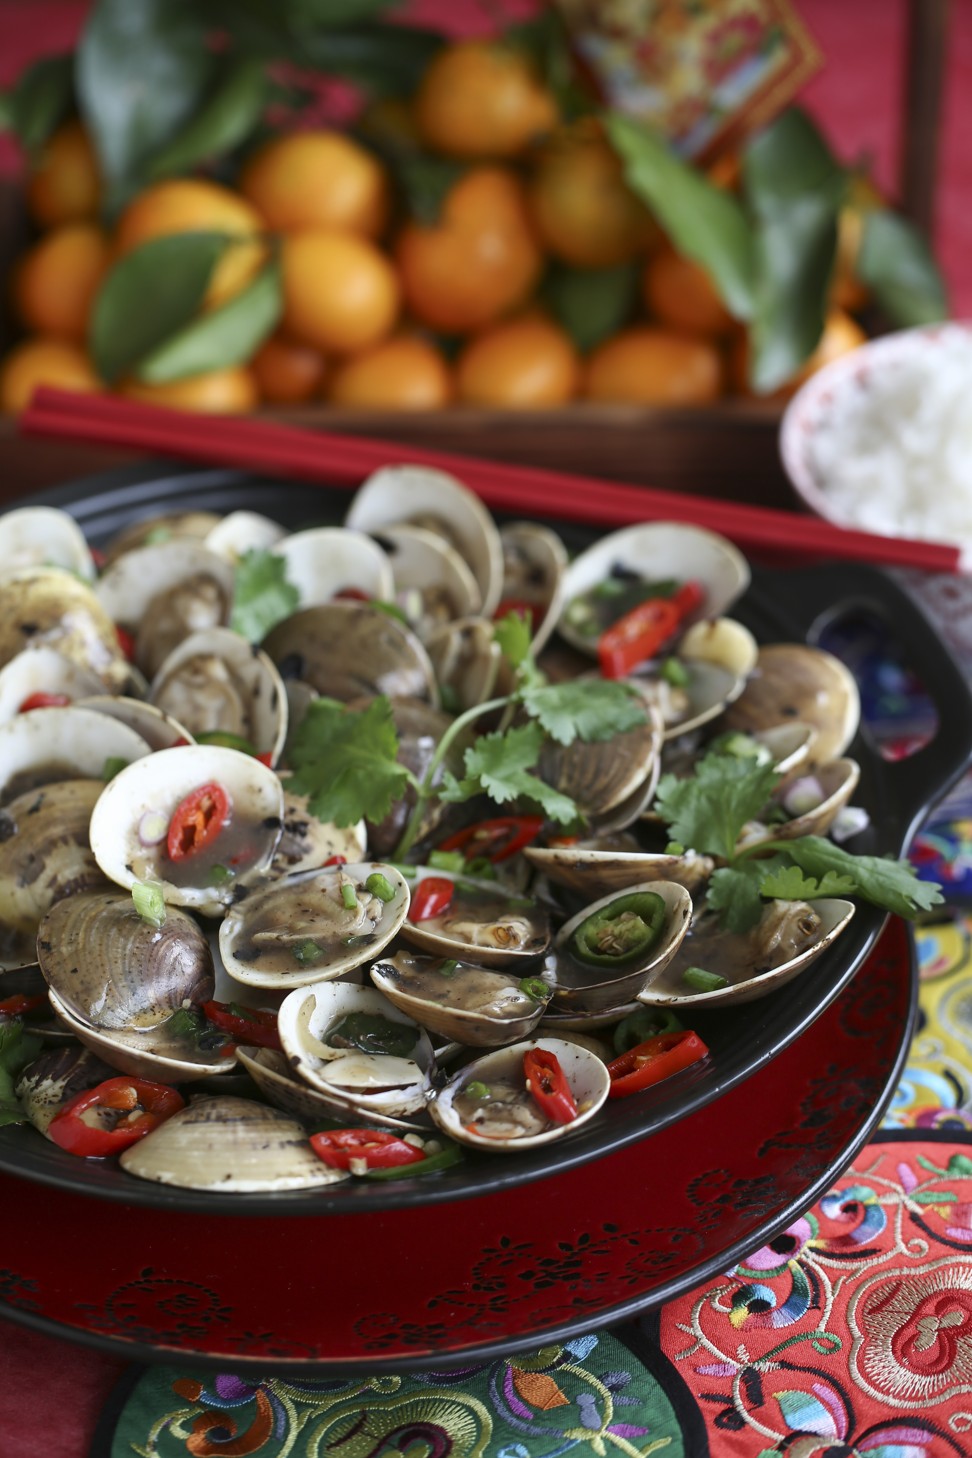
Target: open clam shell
(159, 730)
(611, 780)
(214, 681)
(476, 1006)
(521, 1125)
(439, 502)
(159, 527)
(583, 987)
(483, 923)
(163, 593)
(433, 584)
(325, 561)
(43, 671)
(349, 649)
(366, 1082)
(708, 690)
(44, 745)
(299, 929)
(534, 566)
(797, 681)
(240, 532)
(229, 1145)
(468, 662)
(50, 607)
(149, 792)
(308, 843)
(752, 971)
(656, 551)
(587, 869)
(153, 1054)
(836, 782)
(35, 536)
(271, 1073)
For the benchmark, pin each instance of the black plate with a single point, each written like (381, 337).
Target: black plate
(779, 606)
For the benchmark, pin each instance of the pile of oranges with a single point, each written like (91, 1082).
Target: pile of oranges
(384, 309)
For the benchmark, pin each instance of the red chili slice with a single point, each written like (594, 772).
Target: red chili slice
(640, 633)
(496, 839)
(523, 609)
(44, 701)
(655, 1059)
(21, 1003)
(252, 1026)
(197, 821)
(378, 1149)
(548, 1086)
(139, 1104)
(126, 642)
(431, 897)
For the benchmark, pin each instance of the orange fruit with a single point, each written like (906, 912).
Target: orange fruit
(681, 295)
(341, 293)
(230, 391)
(317, 179)
(581, 206)
(521, 364)
(644, 365)
(55, 281)
(64, 186)
(403, 373)
(193, 205)
(479, 99)
(478, 261)
(288, 373)
(840, 335)
(40, 361)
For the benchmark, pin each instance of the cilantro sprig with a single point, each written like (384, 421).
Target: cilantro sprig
(707, 811)
(345, 761)
(262, 594)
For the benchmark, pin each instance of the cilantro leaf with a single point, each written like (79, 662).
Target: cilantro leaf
(262, 596)
(734, 891)
(344, 760)
(708, 810)
(499, 765)
(513, 635)
(588, 709)
(882, 880)
(17, 1049)
(790, 884)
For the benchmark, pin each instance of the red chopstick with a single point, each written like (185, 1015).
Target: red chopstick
(345, 460)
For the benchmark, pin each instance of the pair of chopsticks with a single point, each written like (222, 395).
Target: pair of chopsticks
(344, 461)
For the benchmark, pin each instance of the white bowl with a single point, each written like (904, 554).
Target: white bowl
(880, 440)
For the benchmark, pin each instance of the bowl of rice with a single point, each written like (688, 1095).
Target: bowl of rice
(881, 439)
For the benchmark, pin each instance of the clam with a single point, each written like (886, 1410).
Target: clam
(505, 1118)
(229, 1145)
(468, 662)
(432, 584)
(162, 593)
(43, 536)
(44, 745)
(707, 690)
(313, 925)
(55, 1077)
(796, 681)
(438, 502)
(482, 923)
(314, 1022)
(307, 843)
(131, 822)
(48, 607)
(534, 566)
(462, 1001)
(158, 527)
(271, 1073)
(158, 729)
(611, 780)
(605, 864)
(825, 792)
(214, 682)
(347, 650)
(608, 970)
(419, 727)
(788, 937)
(324, 562)
(240, 532)
(43, 671)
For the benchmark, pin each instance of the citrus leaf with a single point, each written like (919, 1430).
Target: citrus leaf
(142, 72)
(795, 188)
(382, 58)
(221, 337)
(229, 117)
(590, 303)
(897, 264)
(703, 221)
(41, 99)
(148, 296)
(426, 183)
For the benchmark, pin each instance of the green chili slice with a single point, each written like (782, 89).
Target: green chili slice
(645, 1023)
(431, 1164)
(621, 932)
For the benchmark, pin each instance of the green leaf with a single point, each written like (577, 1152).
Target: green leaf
(898, 266)
(345, 761)
(545, 39)
(384, 59)
(17, 1049)
(221, 337)
(262, 595)
(333, 14)
(149, 295)
(707, 810)
(40, 100)
(959, 1164)
(6, 111)
(143, 69)
(883, 881)
(512, 633)
(426, 183)
(790, 884)
(591, 303)
(703, 221)
(795, 189)
(734, 891)
(499, 765)
(592, 709)
(228, 117)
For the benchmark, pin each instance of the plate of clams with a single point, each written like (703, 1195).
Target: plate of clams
(375, 822)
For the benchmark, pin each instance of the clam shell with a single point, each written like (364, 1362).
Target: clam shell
(468, 662)
(158, 784)
(248, 686)
(534, 567)
(49, 607)
(347, 650)
(324, 561)
(838, 779)
(159, 527)
(163, 593)
(587, 871)
(475, 1006)
(493, 935)
(56, 744)
(258, 934)
(270, 1072)
(152, 1055)
(35, 536)
(55, 1077)
(229, 1145)
(240, 532)
(796, 681)
(581, 988)
(307, 843)
(611, 780)
(43, 670)
(160, 731)
(585, 1073)
(430, 570)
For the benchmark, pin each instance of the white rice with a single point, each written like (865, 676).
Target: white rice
(892, 450)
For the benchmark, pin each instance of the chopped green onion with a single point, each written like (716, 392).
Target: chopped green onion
(703, 981)
(349, 896)
(477, 1090)
(673, 671)
(380, 886)
(610, 587)
(448, 968)
(156, 535)
(674, 848)
(149, 902)
(536, 988)
(409, 872)
(112, 765)
(308, 951)
(447, 860)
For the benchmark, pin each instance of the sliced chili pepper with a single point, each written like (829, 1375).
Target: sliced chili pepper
(548, 1086)
(431, 1164)
(687, 598)
(265, 758)
(640, 633)
(251, 1026)
(650, 1062)
(518, 605)
(623, 930)
(497, 839)
(43, 701)
(431, 897)
(197, 821)
(375, 1147)
(126, 642)
(351, 594)
(128, 1109)
(20, 1004)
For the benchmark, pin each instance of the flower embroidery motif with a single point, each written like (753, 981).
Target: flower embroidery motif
(913, 1337)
